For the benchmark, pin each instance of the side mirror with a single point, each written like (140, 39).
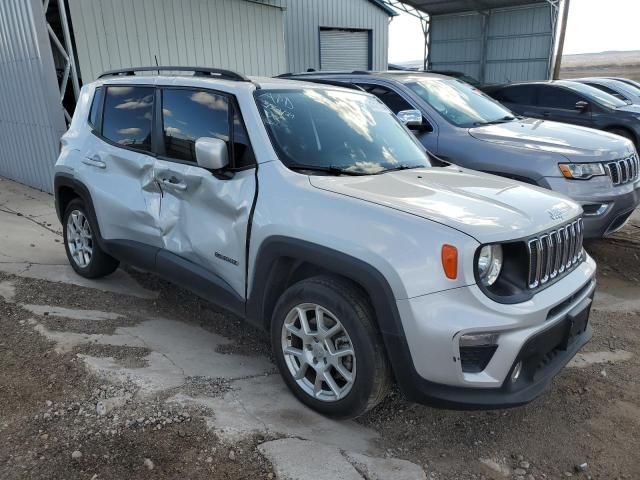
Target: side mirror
(582, 106)
(211, 153)
(411, 118)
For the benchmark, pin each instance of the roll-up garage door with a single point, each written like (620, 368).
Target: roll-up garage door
(344, 49)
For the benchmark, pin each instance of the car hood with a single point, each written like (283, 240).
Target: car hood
(629, 108)
(576, 144)
(487, 207)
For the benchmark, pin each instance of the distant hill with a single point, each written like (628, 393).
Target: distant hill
(613, 64)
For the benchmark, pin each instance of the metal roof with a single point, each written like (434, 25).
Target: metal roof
(443, 7)
(380, 3)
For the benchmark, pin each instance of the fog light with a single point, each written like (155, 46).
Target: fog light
(594, 209)
(516, 372)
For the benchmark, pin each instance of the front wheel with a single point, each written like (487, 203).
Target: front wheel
(328, 348)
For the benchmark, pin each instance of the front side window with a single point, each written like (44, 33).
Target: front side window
(555, 97)
(460, 103)
(188, 115)
(391, 99)
(337, 131)
(128, 115)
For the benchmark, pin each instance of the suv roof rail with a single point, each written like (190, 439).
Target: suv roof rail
(325, 81)
(197, 71)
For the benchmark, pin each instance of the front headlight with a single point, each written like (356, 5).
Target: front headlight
(581, 171)
(489, 264)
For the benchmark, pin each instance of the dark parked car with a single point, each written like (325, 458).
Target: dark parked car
(626, 92)
(571, 102)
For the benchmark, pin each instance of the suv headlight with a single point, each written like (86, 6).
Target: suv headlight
(489, 264)
(581, 171)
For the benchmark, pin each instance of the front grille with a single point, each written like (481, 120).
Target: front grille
(624, 171)
(554, 253)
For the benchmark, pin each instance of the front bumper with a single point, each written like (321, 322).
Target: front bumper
(621, 201)
(537, 333)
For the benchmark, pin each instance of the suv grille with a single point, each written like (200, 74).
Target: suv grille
(554, 253)
(623, 171)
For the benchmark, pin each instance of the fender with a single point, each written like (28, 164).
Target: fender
(274, 261)
(62, 180)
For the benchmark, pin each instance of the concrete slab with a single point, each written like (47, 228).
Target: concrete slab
(7, 291)
(69, 312)
(373, 468)
(22, 241)
(295, 459)
(265, 405)
(178, 351)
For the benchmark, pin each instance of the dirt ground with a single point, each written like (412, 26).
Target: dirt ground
(61, 419)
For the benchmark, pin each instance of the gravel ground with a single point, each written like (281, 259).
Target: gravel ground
(57, 420)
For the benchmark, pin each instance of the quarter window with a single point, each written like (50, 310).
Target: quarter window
(188, 115)
(128, 115)
(95, 107)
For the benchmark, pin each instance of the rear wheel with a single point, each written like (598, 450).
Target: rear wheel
(84, 254)
(328, 348)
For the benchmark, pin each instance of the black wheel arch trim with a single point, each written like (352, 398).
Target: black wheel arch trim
(67, 180)
(276, 251)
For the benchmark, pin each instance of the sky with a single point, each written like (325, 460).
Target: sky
(592, 26)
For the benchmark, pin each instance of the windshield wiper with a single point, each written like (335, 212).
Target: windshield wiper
(325, 168)
(399, 167)
(505, 119)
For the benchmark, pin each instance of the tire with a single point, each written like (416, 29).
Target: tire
(344, 310)
(624, 133)
(84, 254)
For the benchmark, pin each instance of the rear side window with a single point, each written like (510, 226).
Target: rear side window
(554, 97)
(188, 115)
(128, 115)
(519, 95)
(95, 108)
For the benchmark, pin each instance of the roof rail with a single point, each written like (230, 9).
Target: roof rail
(324, 81)
(197, 71)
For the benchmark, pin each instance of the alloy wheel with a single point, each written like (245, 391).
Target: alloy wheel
(79, 238)
(318, 352)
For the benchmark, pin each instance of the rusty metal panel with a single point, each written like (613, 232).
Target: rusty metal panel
(31, 115)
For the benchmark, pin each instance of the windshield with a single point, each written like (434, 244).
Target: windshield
(337, 131)
(603, 98)
(460, 103)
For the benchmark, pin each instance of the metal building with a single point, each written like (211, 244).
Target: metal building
(494, 41)
(48, 48)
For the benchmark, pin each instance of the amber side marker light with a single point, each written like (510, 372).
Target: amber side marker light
(450, 261)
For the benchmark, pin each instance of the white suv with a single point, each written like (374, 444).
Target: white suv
(312, 212)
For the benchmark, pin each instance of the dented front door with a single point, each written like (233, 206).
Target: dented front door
(204, 219)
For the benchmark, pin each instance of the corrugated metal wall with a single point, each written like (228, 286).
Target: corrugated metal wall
(246, 36)
(518, 43)
(304, 18)
(31, 117)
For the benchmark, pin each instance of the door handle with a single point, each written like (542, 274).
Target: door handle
(94, 162)
(174, 183)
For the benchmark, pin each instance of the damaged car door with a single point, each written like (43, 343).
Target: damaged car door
(204, 213)
(119, 170)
